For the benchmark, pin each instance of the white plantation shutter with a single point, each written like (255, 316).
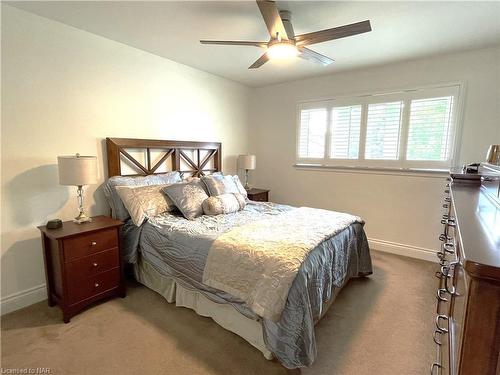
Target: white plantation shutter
(312, 133)
(383, 130)
(430, 132)
(407, 129)
(344, 133)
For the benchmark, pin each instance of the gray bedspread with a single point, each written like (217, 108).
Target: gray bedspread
(179, 248)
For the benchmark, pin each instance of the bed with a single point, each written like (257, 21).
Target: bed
(184, 260)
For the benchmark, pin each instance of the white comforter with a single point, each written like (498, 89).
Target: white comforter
(258, 261)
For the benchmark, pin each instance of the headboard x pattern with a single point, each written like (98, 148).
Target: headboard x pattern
(129, 157)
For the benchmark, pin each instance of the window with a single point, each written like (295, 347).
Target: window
(344, 137)
(407, 129)
(312, 133)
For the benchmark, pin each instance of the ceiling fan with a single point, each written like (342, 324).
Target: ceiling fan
(283, 42)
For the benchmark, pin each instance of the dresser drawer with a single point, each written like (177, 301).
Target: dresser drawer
(79, 290)
(80, 246)
(93, 264)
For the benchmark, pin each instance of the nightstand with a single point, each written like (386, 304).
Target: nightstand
(83, 263)
(259, 195)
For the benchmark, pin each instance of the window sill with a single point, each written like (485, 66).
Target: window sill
(432, 173)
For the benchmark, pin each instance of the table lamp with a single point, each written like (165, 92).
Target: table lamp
(493, 155)
(246, 162)
(77, 170)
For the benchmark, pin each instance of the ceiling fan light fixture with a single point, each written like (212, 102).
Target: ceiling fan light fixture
(282, 51)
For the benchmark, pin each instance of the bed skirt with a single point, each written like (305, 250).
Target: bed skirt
(224, 315)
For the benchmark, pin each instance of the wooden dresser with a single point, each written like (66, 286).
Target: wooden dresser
(82, 263)
(467, 331)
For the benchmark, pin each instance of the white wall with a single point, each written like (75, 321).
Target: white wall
(402, 211)
(63, 91)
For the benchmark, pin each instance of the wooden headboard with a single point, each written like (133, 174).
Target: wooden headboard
(133, 157)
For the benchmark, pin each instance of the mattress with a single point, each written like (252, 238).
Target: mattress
(179, 248)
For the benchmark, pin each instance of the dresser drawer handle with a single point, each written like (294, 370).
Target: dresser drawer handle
(453, 290)
(450, 222)
(93, 243)
(95, 264)
(439, 296)
(96, 285)
(444, 238)
(435, 365)
(449, 247)
(434, 337)
(438, 327)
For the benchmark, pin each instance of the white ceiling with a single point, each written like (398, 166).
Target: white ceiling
(401, 31)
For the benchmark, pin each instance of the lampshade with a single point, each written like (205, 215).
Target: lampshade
(77, 170)
(246, 162)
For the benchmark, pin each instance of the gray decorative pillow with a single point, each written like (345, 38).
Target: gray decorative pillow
(219, 184)
(118, 210)
(144, 202)
(224, 204)
(188, 197)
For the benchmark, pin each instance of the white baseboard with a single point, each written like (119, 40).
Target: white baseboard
(23, 298)
(402, 249)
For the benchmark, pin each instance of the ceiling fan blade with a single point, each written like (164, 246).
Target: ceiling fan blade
(260, 61)
(272, 18)
(313, 56)
(286, 18)
(334, 33)
(234, 43)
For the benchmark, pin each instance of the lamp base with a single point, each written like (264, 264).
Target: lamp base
(82, 218)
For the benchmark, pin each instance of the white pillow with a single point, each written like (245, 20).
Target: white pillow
(240, 187)
(144, 201)
(224, 204)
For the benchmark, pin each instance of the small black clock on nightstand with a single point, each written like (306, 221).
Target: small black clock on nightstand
(258, 195)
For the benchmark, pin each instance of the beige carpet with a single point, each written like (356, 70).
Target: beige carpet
(378, 325)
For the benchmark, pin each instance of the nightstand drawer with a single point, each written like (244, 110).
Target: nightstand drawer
(80, 246)
(79, 290)
(93, 264)
(261, 197)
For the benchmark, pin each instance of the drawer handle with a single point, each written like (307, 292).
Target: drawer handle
(95, 264)
(96, 285)
(435, 365)
(434, 337)
(449, 247)
(450, 222)
(452, 291)
(443, 237)
(93, 243)
(439, 296)
(439, 328)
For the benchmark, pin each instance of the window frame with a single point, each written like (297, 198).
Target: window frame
(405, 96)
